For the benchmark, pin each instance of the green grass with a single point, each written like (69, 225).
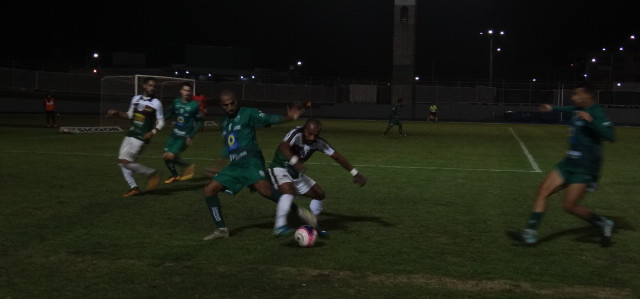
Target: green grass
(430, 223)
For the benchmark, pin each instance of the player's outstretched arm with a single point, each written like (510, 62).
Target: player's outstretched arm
(545, 108)
(294, 111)
(358, 178)
(116, 113)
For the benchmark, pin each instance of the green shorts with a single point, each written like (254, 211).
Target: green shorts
(394, 121)
(176, 144)
(573, 175)
(241, 173)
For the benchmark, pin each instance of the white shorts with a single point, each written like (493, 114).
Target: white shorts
(280, 176)
(130, 149)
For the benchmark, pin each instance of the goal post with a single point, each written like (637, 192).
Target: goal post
(116, 93)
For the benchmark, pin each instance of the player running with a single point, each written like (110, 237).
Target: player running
(286, 171)
(147, 118)
(579, 171)
(189, 120)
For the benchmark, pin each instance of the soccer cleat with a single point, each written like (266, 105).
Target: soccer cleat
(323, 233)
(188, 172)
(282, 231)
(527, 236)
(153, 181)
(607, 231)
(131, 192)
(307, 216)
(218, 233)
(172, 179)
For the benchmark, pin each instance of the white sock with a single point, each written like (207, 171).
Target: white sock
(128, 176)
(139, 168)
(316, 206)
(282, 211)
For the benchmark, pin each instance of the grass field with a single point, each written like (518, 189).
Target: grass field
(430, 223)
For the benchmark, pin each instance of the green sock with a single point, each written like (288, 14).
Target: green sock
(171, 165)
(534, 220)
(213, 202)
(180, 162)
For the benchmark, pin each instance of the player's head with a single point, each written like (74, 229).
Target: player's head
(149, 86)
(311, 130)
(583, 95)
(186, 91)
(229, 102)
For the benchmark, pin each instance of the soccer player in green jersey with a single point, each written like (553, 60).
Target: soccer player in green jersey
(246, 167)
(286, 172)
(147, 118)
(579, 171)
(189, 120)
(394, 119)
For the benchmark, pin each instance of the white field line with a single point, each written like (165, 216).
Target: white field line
(532, 161)
(313, 163)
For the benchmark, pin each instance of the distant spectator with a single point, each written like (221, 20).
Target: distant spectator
(50, 109)
(433, 113)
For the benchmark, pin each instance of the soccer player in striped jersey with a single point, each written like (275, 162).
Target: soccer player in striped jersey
(286, 171)
(147, 118)
(579, 171)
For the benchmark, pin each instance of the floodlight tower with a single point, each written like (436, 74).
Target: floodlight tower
(403, 51)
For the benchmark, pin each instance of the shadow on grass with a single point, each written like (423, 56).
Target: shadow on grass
(587, 233)
(169, 189)
(327, 221)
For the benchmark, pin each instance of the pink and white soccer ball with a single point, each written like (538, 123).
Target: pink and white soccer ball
(306, 236)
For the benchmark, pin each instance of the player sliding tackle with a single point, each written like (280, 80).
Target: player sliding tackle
(286, 171)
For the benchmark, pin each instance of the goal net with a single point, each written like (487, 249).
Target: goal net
(116, 93)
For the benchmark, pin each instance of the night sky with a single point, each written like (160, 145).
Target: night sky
(345, 38)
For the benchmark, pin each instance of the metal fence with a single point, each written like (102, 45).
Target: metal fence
(328, 92)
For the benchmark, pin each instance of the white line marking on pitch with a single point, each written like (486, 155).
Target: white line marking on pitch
(534, 165)
(313, 163)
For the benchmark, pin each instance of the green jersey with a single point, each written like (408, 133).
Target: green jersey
(586, 138)
(433, 109)
(188, 118)
(239, 133)
(145, 112)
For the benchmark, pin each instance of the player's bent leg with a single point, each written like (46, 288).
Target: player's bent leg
(552, 183)
(215, 209)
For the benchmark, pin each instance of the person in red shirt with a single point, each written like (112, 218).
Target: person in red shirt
(202, 100)
(50, 110)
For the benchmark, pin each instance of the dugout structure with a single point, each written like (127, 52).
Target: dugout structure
(116, 93)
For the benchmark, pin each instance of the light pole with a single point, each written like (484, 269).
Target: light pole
(490, 33)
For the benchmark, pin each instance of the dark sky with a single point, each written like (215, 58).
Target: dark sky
(346, 38)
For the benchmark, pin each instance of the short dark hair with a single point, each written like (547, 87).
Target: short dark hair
(147, 79)
(229, 92)
(186, 84)
(313, 121)
(588, 88)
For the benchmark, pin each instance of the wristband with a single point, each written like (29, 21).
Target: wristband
(154, 131)
(353, 172)
(294, 160)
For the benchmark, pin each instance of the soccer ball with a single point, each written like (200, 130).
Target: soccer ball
(306, 235)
